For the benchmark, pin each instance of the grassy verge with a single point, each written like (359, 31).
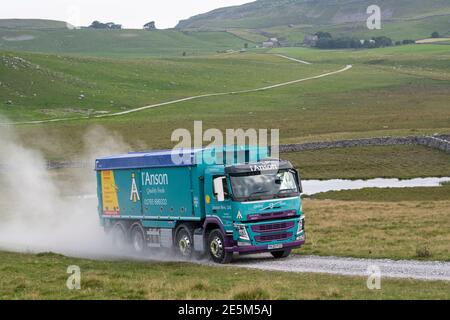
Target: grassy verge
(371, 162)
(395, 230)
(43, 276)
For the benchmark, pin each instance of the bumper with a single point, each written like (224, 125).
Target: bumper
(263, 248)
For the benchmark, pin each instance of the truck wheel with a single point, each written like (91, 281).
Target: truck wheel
(281, 254)
(119, 237)
(184, 242)
(216, 247)
(138, 239)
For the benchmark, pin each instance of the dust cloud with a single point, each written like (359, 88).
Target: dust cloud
(36, 212)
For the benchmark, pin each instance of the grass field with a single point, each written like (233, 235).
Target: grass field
(49, 86)
(417, 229)
(118, 43)
(43, 276)
(392, 91)
(401, 162)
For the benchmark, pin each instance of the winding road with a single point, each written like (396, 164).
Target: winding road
(116, 114)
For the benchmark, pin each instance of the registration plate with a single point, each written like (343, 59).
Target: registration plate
(275, 246)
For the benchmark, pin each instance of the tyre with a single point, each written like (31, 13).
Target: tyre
(184, 244)
(138, 242)
(119, 237)
(281, 254)
(216, 248)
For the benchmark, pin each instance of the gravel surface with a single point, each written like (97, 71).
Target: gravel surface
(423, 270)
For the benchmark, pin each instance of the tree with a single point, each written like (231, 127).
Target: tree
(97, 25)
(246, 45)
(150, 26)
(110, 25)
(323, 35)
(382, 41)
(435, 35)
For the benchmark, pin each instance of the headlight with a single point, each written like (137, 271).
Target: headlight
(301, 225)
(242, 232)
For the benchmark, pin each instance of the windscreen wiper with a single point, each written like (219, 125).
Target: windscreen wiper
(256, 192)
(286, 191)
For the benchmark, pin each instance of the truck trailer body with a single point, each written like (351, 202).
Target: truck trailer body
(215, 201)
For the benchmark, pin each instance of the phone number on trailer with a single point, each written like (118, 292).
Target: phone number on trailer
(155, 202)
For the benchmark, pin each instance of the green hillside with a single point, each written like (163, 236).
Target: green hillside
(391, 91)
(40, 86)
(291, 19)
(32, 24)
(27, 35)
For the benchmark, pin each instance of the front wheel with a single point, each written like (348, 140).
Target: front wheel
(281, 254)
(216, 245)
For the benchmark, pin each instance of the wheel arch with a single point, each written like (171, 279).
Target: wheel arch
(212, 223)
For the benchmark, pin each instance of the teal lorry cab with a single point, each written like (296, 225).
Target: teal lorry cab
(215, 201)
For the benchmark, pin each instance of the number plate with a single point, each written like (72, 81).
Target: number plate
(275, 246)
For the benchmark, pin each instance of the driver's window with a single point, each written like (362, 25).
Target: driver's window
(220, 188)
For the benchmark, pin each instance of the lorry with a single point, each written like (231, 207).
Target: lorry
(217, 201)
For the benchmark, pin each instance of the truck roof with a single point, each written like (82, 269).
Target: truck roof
(148, 159)
(163, 158)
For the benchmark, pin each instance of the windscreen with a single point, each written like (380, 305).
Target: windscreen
(264, 185)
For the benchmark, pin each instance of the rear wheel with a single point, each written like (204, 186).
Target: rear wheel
(281, 254)
(184, 244)
(138, 239)
(119, 237)
(216, 248)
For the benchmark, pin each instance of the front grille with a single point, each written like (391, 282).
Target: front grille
(273, 237)
(271, 227)
(271, 215)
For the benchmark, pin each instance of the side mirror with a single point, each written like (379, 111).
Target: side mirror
(218, 189)
(299, 181)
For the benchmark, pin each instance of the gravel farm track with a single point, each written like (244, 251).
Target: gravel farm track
(411, 269)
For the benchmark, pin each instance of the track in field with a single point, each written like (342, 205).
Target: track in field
(348, 67)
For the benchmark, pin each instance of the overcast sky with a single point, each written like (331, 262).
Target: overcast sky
(129, 13)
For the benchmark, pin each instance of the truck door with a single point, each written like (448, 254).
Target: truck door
(218, 198)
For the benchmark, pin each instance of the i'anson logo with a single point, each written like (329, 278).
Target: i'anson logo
(154, 179)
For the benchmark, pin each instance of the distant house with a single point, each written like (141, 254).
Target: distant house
(310, 40)
(271, 43)
(150, 26)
